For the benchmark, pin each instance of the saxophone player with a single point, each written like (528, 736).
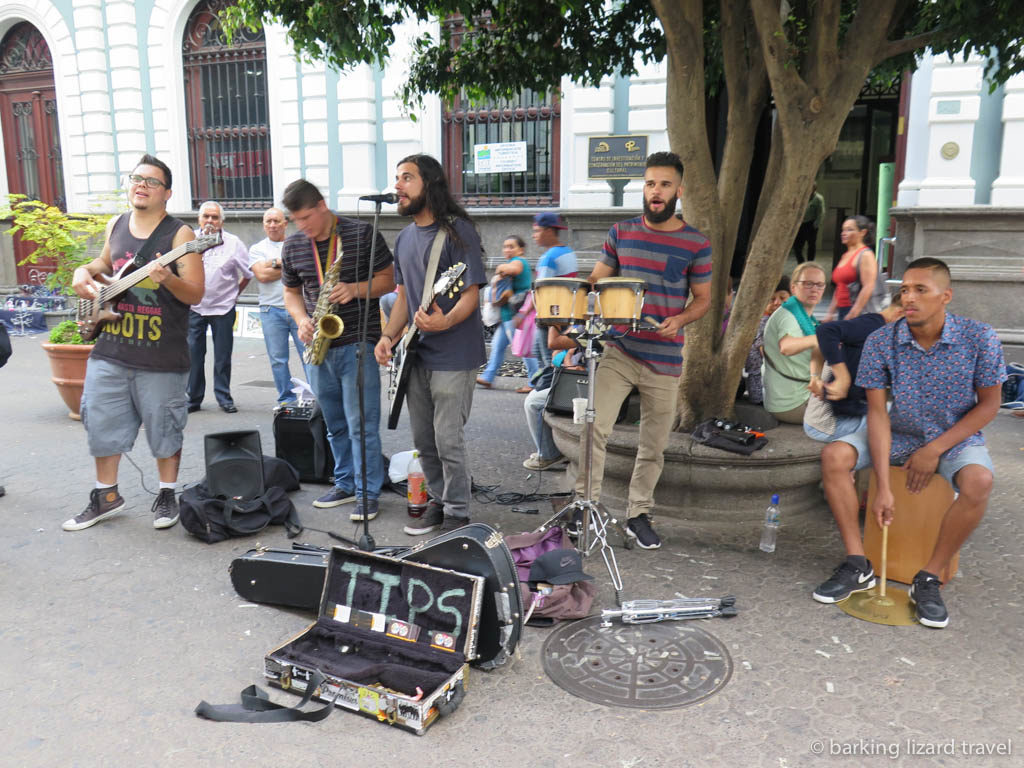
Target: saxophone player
(310, 263)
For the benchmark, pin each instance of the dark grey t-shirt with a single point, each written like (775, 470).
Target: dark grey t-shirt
(461, 347)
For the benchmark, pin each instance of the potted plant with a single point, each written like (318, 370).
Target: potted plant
(61, 239)
(68, 353)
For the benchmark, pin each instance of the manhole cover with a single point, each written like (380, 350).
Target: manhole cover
(647, 666)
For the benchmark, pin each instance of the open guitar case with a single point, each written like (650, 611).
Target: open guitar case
(295, 578)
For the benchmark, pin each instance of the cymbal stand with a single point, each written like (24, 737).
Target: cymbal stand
(595, 517)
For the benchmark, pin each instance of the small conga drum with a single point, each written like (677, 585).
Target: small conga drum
(560, 300)
(620, 300)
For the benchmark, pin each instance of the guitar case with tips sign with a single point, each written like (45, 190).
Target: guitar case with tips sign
(392, 641)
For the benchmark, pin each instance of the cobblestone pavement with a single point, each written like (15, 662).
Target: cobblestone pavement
(112, 635)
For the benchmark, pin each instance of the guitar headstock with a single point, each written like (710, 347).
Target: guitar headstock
(204, 242)
(450, 282)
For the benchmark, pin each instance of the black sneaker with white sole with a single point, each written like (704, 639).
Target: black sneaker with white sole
(103, 503)
(844, 581)
(924, 594)
(639, 528)
(165, 509)
(428, 522)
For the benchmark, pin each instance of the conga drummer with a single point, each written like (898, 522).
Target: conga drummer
(673, 260)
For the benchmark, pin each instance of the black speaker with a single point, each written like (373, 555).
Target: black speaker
(300, 438)
(568, 384)
(234, 464)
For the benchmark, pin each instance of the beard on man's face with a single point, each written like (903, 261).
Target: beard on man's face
(667, 211)
(414, 206)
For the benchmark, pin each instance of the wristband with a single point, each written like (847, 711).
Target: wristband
(389, 338)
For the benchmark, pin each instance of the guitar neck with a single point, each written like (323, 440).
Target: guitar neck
(128, 281)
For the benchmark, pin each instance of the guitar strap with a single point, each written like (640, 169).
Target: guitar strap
(145, 254)
(435, 257)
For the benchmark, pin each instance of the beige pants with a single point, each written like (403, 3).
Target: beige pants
(616, 376)
(794, 416)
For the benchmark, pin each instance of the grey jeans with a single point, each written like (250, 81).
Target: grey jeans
(439, 405)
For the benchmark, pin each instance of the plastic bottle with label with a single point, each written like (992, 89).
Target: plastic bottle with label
(771, 525)
(417, 493)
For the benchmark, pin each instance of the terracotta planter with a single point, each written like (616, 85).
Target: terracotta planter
(67, 362)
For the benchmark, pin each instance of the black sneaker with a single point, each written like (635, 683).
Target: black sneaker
(639, 528)
(575, 525)
(165, 509)
(845, 580)
(103, 503)
(924, 594)
(334, 498)
(365, 508)
(428, 522)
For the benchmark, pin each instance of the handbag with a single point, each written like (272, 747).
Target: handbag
(522, 339)
(879, 295)
(819, 413)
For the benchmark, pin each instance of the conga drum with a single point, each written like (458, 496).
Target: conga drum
(620, 300)
(560, 300)
(914, 528)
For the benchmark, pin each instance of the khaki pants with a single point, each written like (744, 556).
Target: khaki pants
(616, 376)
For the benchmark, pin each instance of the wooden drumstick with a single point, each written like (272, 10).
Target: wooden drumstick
(651, 321)
(885, 557)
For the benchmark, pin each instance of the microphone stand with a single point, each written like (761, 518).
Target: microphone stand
(366, 542)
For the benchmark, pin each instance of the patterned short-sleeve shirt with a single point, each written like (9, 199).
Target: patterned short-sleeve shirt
(669, 262)
(931, 389)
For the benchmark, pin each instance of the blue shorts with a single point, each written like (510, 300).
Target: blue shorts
(948, 467)
(845, 425)
(117, 400)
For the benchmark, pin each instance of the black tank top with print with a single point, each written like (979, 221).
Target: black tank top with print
(152, 333)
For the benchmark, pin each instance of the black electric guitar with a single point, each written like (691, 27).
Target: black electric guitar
(402, 354)
(93, 314)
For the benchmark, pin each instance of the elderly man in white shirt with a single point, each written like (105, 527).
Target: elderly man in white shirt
(227, 274)
(277, 324)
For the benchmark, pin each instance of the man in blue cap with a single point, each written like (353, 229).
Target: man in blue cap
(558, 260)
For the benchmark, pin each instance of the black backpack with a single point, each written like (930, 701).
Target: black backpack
(215, 518)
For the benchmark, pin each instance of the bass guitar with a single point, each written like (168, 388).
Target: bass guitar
(402, 354)
(92, 314)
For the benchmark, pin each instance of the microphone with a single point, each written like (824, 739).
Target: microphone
(387, 197)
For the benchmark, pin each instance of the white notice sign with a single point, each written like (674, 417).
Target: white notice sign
(507, 157)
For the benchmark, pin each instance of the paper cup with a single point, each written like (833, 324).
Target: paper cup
(579, 410)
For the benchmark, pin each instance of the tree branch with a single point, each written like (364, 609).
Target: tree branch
(786, 83)
(823, 41)
(894, 48)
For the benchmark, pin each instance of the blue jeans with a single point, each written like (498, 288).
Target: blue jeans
(499, 343)
(277, 326)
(336, 386)
(539, 430)
(223, 342)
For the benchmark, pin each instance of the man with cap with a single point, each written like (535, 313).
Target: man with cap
(558, 260)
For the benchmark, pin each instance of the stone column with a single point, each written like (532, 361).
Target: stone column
(1008, 189)
(952, 112)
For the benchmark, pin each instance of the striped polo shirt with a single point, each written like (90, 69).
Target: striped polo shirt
(299, 269)
(668, 262)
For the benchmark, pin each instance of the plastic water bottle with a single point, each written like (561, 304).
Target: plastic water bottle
(417, 493)
(771, 525)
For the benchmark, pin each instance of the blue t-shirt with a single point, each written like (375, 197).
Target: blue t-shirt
(557, 261)
(461, 347)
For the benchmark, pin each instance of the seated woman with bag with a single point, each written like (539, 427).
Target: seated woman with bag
(838, 407)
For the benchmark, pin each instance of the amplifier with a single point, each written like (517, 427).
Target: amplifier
(300, 438)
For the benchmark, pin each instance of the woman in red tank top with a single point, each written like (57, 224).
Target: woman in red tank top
(856, 234)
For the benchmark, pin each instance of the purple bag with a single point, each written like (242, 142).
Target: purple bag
(527, 547)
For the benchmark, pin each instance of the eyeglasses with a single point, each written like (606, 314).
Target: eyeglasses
(149, 181)
(809, 284)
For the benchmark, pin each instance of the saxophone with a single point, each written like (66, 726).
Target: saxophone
(326, 326)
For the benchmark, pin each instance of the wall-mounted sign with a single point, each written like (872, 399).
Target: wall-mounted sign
(506, 157)
(616, 157)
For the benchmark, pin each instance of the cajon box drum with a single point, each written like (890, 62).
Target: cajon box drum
(914, 528)
(560, 300)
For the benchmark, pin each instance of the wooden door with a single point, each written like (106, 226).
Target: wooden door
(28, 115)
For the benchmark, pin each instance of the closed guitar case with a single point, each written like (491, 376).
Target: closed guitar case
(295, 578)
(479, 550)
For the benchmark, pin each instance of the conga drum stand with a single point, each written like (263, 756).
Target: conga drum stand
(595, 518)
